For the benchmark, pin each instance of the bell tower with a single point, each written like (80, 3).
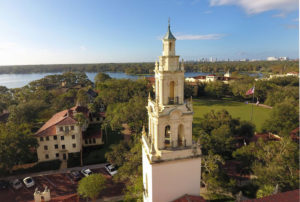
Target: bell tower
(171, 160)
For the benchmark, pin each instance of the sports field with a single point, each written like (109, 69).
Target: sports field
(236, 109)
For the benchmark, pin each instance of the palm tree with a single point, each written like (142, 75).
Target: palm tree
(81, 119)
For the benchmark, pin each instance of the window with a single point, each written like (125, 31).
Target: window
(94, 140)
(47, 138)
(55, 137)
(74, 145)
(170, 46)
(61, 129)
(67, 128)
(56, 146)
(62, 137)
(45, 147)
(46, 156)
(63, 146)
(72, 127)
(73, 137)
(90, 141)
(41, 139)
(57, 155)
(86, 141)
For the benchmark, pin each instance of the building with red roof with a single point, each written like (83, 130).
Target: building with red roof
(62, 135)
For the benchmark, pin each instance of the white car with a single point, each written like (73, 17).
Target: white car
(16, 184)
(86, 172)
(111, 169)
(28, 181)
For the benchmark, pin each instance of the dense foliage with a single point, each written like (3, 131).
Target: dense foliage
(17, 145)
(91, 186)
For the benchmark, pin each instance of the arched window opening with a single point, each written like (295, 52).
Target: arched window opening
(172, 84)
(172, 93)
(168, 136)
(181, 140)
(170, 46)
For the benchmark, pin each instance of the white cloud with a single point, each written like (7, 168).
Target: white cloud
(259, 6)
(200, 37)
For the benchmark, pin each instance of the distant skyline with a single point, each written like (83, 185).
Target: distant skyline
(96, 31)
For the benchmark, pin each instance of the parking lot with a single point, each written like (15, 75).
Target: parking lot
(59, 184)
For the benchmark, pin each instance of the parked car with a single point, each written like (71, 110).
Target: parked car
(86, 172)
(29, 182)
(75, 175)
(3, 184)
(16, 184)
(111, 169)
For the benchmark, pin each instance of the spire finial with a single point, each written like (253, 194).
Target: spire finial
(169, 22)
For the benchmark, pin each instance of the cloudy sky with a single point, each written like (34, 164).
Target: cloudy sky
(77, 31)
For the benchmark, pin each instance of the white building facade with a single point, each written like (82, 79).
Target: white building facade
(171, 160)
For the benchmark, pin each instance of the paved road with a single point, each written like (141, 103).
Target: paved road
(21, 176)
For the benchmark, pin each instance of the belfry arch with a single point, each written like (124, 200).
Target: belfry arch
(168, 136)
(172, 89)
(181, 141)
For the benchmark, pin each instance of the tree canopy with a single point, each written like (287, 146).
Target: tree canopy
(91, 186)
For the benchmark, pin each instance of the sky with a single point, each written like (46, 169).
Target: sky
(98, 31)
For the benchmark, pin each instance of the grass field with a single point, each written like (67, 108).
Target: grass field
(236, 109)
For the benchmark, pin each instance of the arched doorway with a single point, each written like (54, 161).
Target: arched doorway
(167, 136)
(180, 135)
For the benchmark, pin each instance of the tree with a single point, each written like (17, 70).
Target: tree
(91, 186)
(213, 176)
(16, 144)
(131, 172)
(82, 98)
(101, 77)
(216, 89)
(283, 119)
(272, 162)
(82, 121)
(220, 133)
(266, 190)
(116, 155)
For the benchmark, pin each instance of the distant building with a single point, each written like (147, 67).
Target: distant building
(211, 78)
(283, 58)
(272, 58)
(61, 135)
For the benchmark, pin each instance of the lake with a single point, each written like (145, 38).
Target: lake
(20, 80)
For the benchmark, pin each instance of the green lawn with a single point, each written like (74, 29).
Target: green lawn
(236, 109)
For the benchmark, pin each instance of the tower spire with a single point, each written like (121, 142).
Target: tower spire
(169, 34)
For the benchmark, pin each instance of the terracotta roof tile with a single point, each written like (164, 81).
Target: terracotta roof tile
(190, 198)
(64, 117)
(290, 196)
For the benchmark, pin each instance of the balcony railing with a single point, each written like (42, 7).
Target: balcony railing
(173, 100)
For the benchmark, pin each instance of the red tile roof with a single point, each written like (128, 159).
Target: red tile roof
(200, 77)
(64, 117)
(190, 198)
(290, 196)
(265, 137)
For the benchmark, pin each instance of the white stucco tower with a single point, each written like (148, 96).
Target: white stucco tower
(171, 160)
